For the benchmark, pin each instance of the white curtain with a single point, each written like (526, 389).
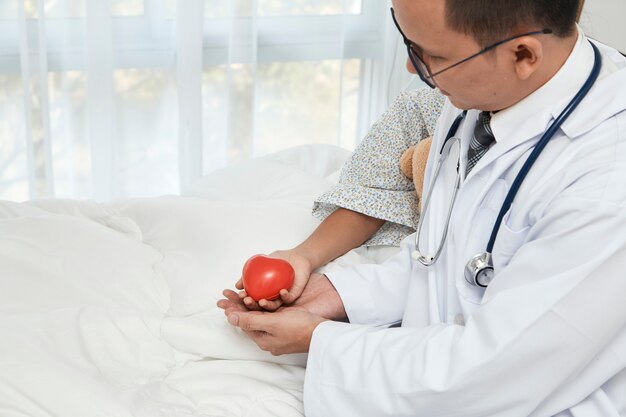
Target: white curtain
(107, 99)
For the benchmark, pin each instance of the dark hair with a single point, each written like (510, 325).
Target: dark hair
(489, 21)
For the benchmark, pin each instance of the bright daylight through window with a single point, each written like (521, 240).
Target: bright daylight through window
(113, 99)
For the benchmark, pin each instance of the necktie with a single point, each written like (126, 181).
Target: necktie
(482, 139)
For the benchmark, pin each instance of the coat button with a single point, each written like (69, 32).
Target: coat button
(459, 320)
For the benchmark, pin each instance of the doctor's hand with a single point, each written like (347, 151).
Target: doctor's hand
(282, 332)
(302, 268)
(319, 298)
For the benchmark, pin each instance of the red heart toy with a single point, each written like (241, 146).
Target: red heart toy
(264, 277)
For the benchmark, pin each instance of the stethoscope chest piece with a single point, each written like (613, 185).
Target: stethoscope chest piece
(479, 270)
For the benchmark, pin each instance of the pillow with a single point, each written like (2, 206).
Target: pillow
(297, 174)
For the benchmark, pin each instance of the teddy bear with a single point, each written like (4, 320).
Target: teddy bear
(413, 164)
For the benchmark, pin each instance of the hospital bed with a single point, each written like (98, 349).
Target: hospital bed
(109, 309)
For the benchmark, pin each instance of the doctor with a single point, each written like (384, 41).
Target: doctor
(542, 331)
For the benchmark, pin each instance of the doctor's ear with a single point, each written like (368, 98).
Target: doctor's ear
(527, 54)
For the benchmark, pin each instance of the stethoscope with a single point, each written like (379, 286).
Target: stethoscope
(479, 270)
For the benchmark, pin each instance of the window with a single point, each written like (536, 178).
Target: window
(275, 73)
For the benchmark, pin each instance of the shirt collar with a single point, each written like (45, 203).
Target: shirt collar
(530, 117)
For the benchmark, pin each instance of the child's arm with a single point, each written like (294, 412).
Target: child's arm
(337, 234)
(341, 231)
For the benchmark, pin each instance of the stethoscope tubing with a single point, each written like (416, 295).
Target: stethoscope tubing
(445, 151)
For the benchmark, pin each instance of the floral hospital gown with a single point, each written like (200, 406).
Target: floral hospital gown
(371, 181)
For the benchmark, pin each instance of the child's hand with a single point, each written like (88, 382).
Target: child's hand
(302, 268)
(319, 298)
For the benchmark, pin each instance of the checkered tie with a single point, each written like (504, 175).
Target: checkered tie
(483, 138)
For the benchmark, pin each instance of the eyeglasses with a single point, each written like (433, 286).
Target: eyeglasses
(415, 53)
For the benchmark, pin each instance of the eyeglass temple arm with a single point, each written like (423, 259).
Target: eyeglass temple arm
(490, 47)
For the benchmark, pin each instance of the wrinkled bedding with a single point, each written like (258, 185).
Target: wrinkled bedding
(109, 309)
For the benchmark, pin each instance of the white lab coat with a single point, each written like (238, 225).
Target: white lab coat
(548, 337)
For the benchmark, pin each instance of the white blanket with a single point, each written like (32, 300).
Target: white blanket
(109, 310)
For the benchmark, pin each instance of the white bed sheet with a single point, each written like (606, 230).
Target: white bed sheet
(109, 310)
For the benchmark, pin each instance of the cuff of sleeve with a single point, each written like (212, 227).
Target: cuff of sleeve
(314, 404)
(391, 205)
(398, 208)
(357, 302)
(320, 378)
